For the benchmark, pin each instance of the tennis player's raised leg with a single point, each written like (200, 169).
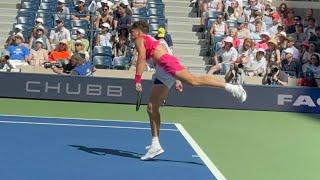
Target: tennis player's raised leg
(207, 80)
(158, 94)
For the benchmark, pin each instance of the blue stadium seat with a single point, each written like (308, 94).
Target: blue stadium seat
(155, 5)
(44, 14)
(25, 20)
(26, 13)
(84, 24)
(32, 1)
(121, 63)
(213, 14)
(156, 12)
(30, 5)
(139, 11)
(102, 62)
(155, 1)
(153, 28)
(136, 18)
(48, 6)
(160, 21)
(231, 23)
(102, 51)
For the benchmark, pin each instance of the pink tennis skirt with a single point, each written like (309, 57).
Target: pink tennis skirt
(170, 64)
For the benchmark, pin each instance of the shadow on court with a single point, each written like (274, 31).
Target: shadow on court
(123, 153)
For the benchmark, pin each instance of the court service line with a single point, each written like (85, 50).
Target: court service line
(214, 170)
(86, 119)
(82, 125)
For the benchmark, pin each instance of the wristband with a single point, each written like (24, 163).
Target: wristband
(137, 79)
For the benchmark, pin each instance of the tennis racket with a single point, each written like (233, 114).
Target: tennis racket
(138, 102)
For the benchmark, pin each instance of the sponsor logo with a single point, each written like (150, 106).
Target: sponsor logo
(73, 88)
(301, 100)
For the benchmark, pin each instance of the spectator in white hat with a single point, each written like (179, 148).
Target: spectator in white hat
(62, 12)
(104, 38)
(18, 53)
(227, 54)
(38, 55)
(39, 34)
(81, 12)
(104, 17)
(38, 23)
(289, 65)
(79, 49)
(81, 33)
(10, 40)
(258, 65)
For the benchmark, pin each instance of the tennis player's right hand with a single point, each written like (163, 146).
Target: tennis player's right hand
(138, 87)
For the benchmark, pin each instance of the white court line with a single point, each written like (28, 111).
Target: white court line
(214, 170)
(70, 118)
(82, 125)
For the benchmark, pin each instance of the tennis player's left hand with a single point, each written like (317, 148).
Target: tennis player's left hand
(179, 86)
(138, 87)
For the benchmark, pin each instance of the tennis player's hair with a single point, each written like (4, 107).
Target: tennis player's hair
(142, 25)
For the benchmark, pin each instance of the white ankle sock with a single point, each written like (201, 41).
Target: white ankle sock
(155, 142)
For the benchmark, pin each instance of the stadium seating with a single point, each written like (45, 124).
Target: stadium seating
(102, 62)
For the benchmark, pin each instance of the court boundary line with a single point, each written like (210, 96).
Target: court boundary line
(82, 125)
(214, 170)
(85, 119)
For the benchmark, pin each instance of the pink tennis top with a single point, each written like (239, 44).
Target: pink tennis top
(150, 44)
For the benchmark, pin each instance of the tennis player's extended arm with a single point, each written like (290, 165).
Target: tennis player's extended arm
(141, 61)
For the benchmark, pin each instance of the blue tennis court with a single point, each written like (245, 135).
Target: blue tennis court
(54, 148)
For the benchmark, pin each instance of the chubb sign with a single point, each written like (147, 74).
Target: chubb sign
(301, 100)
(73, 88)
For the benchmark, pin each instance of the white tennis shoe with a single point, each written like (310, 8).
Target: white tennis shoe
(239, 93)
(152, 153)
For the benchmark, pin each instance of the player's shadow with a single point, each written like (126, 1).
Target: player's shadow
(123, 153)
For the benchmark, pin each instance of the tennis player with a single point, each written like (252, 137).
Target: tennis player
(168, 69)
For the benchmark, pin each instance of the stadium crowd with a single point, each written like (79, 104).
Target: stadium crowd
(246, 38)
(256, 38)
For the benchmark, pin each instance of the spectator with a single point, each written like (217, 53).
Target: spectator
(243, 31)
(61, 53)
(104, 38)
(292, 28)
(304, 52)
(313, 65)
(104, 17)
(139, 3)
(80, 49)
(235, 74)
(283, 10)
(81, 12)
(81, 37)
(38, 55)
(18, 53)
(39, 35)
(257, 66)
(289, 19)
(289, 65)
(307, 80)
(59, 33)
(316, 38)
(298, 34)
(265, 37)
(282, 41)
(120, 49)
(267, 15)
(273, 53)
(62, 12)
(123, 22)
(227, 54)
(246, 52)
(162, 33)
(66, 68)
(275, 76)
(276, 21)
(234, 34)
(309, 14)
(219, 28)
(255, 35)
(11, 39)
(83, 67)
(209, 5)
(234, 11)
(290, 45)
(311, 28)
(39, 23)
